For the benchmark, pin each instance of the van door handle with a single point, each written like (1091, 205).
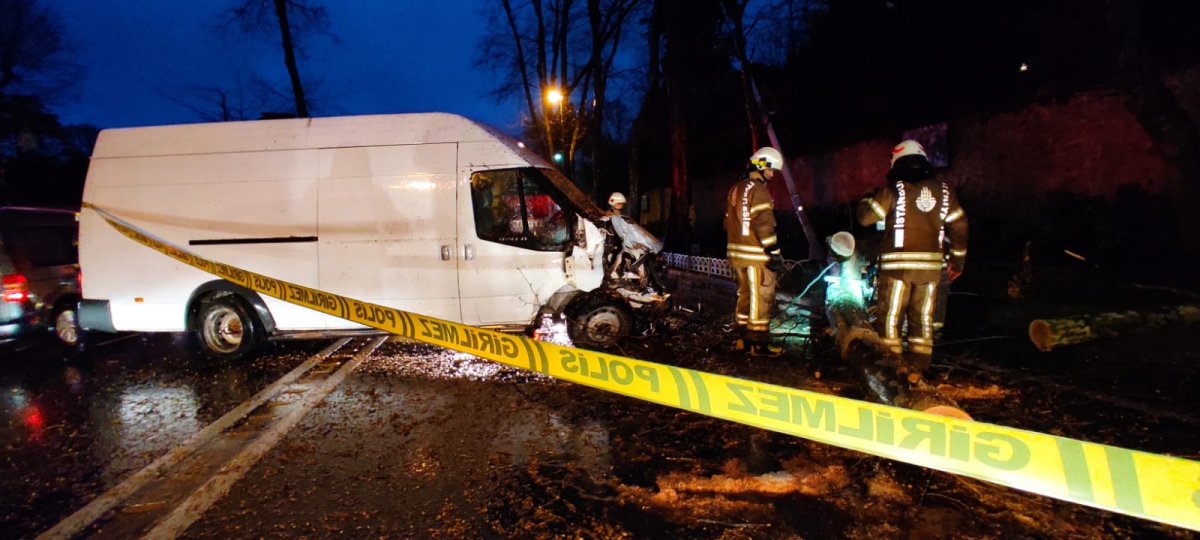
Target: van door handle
(447, 252)
(468, 252)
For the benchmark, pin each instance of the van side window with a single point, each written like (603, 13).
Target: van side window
(517, 207)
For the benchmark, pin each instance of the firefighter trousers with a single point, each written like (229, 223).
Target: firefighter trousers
(898, 300)
(755, 297)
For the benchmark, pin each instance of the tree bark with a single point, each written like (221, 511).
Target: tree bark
(289, 58)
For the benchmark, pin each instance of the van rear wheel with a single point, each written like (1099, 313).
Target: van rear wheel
(226, 329)
(66, 327)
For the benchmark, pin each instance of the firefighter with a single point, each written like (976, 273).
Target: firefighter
(753, 250)
(616, 203)
(920, 214)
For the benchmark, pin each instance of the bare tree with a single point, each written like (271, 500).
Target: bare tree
(560, 48)
(292, 18)
(34, 57)
(246, 99)
(757, 116)
(735, 12)
(606, 20)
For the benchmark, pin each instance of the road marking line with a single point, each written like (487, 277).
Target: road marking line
(219, 485)
(82, 518)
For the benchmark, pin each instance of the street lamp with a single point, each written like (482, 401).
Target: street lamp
(555, 97)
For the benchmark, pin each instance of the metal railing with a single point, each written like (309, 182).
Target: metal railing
(712, 265)
(704, 265)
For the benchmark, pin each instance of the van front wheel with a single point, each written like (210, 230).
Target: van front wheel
(598, 322)
(226, 328)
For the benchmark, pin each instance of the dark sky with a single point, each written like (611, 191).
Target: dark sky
(390, 56)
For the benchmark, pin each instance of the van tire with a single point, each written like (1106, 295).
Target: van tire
(598, 321)
(225, 328)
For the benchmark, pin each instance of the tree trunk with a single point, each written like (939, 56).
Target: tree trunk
(512, 26)
(599, 81)
(1050, 334)
(734, 11)
(676, 76)
(679, 226)
(635, 176)
(884, 376)
(289, 58)
(653, 42)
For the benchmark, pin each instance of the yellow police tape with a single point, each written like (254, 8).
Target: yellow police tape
(1160, 488)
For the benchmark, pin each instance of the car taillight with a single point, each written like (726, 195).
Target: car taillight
(16, 288)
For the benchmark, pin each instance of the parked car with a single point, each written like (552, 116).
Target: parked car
(40, 273)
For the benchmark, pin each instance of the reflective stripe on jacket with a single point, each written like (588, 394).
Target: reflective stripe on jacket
(750, 220)
(919, 218)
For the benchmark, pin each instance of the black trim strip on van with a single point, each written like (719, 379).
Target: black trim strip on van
(271, 240)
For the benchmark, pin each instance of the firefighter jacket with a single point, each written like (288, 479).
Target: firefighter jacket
(750, 220)
(919, 218)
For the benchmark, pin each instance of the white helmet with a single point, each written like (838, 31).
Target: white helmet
(616, 198)
(842, 244)
(908, 148)
(767, 158)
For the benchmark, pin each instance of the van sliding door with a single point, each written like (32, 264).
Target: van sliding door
(386, 223)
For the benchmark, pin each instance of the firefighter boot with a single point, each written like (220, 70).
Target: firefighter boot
(765, 351)
(761, 349)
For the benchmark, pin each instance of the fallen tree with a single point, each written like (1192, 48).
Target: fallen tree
(1050, 334)
(885, 376)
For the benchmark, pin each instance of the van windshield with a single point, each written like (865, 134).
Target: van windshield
(521, 207)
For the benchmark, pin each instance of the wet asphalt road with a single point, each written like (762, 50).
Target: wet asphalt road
(419, 442)
(414, 443)
(74, 425)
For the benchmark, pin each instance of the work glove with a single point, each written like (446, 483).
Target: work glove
(776, 263)
(953, 272)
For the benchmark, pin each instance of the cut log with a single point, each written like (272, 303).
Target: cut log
(885, 376)
(1050, 334)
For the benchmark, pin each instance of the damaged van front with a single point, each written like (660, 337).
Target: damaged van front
(561, 271)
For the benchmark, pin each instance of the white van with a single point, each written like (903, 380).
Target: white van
(430, 213)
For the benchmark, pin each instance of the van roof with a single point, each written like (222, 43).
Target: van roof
(291, 134)
(328, 132)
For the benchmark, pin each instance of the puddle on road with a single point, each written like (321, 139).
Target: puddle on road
(72, 428)
(146, 420)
